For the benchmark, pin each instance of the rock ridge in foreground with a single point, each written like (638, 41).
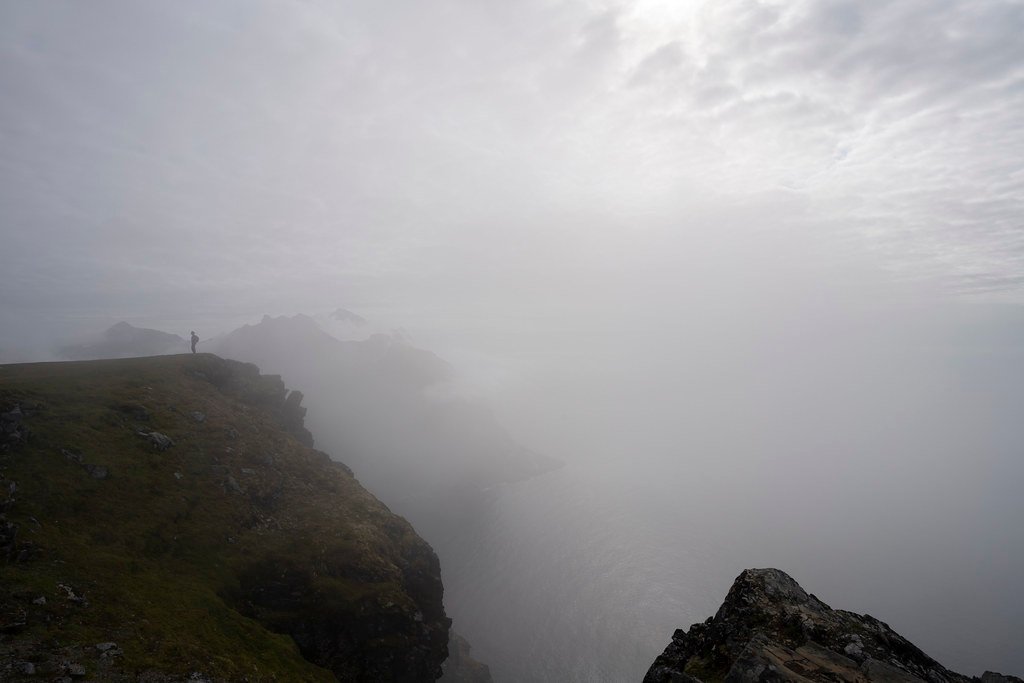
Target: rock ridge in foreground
(770, 629)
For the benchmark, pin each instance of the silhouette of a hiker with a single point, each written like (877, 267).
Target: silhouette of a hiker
(195, 340)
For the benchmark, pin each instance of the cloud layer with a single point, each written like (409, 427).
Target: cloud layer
(263, 155)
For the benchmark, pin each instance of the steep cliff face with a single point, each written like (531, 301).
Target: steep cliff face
(388, 408)
(770, 629)
(164, 519)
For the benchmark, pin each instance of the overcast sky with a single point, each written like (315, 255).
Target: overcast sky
(196, 163)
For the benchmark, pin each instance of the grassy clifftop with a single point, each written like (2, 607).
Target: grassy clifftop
(237, 553)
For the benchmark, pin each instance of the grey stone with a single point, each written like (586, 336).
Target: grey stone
(72, 454)
(161, 442)
(103, 647)
(12, 415)
(198, 416)
(41, 600)
(27, 669)
(994, 677)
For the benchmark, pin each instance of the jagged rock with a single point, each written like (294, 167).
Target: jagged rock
(161, 442)
(13, 431)
(41, 600)
(71, 595)
(198, 416)
(231, 485)
(27, 669)
(770, 629)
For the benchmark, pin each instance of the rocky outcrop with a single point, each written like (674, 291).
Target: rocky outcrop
(770, 629)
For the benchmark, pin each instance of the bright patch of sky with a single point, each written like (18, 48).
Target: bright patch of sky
(197, 161)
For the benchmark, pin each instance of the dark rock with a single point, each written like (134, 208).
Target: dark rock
(13, 621)
(993, 677)
(12, 416)
(72, 454)
(27, 669)
(198, 416)
(770, 629)
(460, 667)
(103, 647)
(293, 415)
(161, 442)
(74, 669)
(71, 595)
(13, 431)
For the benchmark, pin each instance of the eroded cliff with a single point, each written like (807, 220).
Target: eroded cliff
(166, 519)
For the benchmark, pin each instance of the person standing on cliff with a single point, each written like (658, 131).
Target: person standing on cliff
(195, 340)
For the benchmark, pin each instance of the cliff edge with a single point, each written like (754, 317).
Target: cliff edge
(770, 629)
(166, 519)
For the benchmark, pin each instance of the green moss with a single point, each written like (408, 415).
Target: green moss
(167, 550)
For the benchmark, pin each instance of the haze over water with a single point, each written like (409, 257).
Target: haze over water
(884, 482)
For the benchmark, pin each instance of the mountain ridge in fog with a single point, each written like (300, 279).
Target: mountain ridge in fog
(123, 340)
(380, 403)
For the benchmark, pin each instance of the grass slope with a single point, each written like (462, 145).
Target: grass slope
(236, 554)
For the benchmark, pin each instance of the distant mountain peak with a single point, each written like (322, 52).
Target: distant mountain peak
(123, 340)
(345, 315)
